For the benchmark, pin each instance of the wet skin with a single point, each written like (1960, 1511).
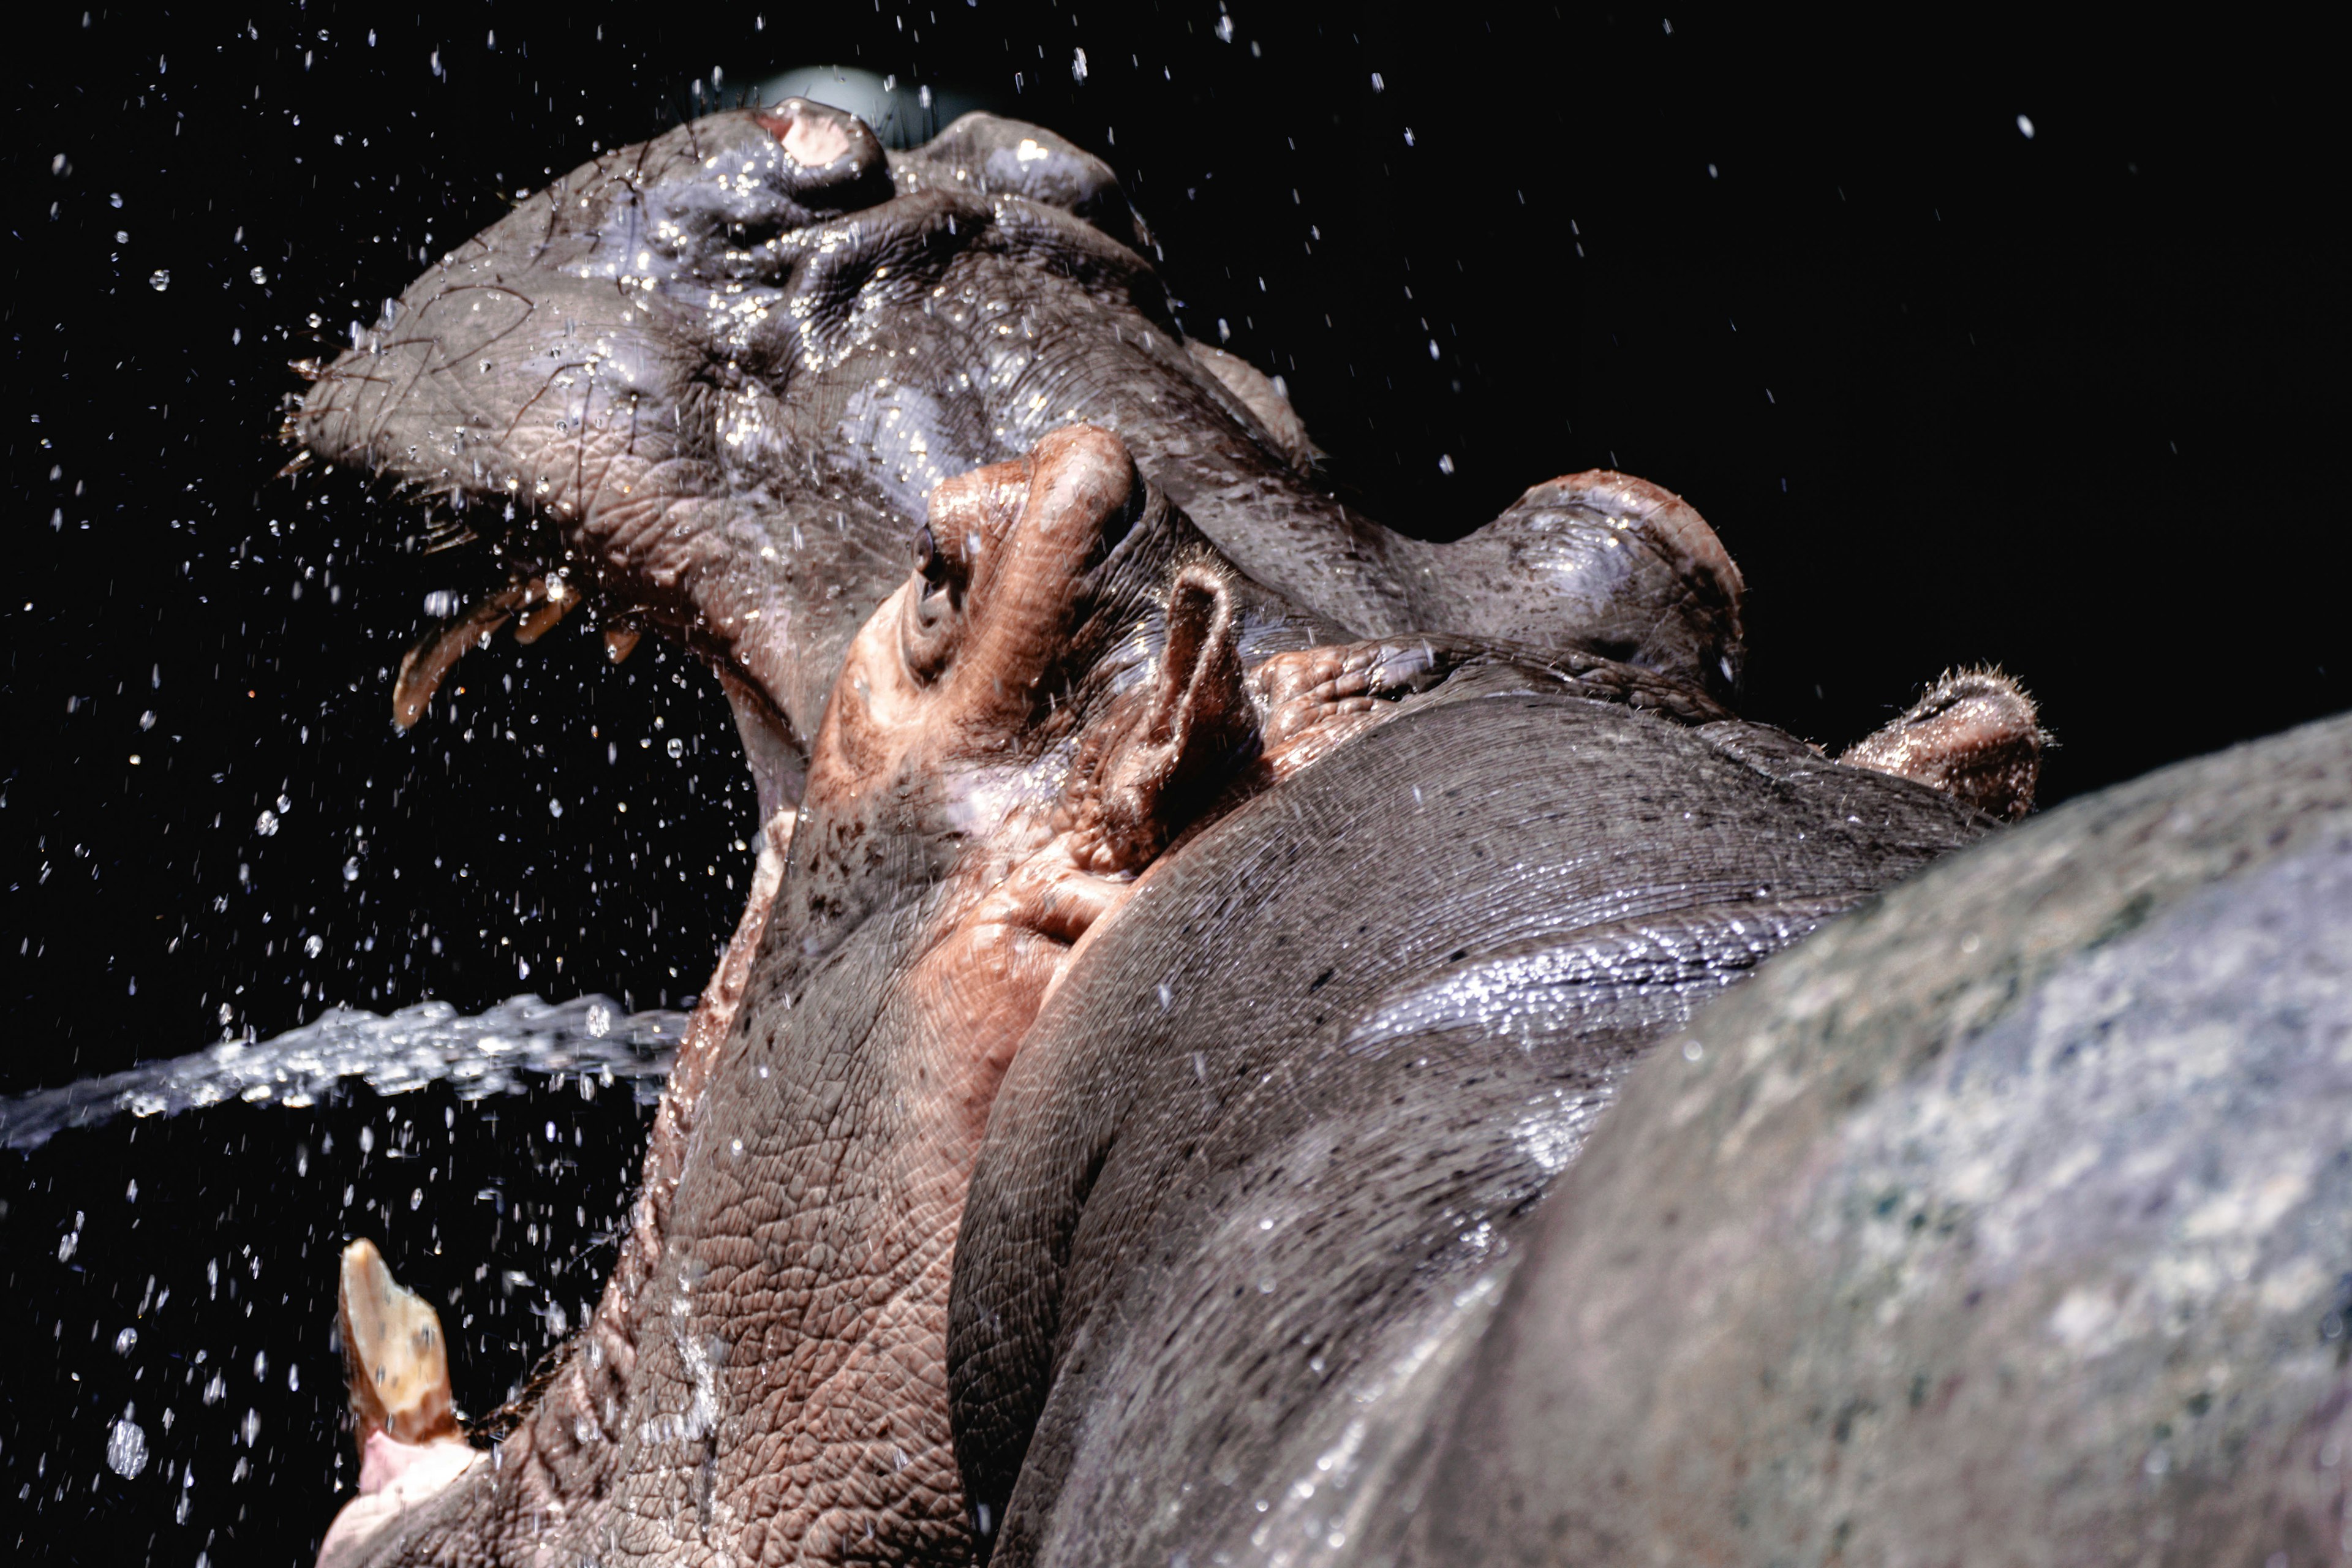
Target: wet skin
(2004, 1222)
(705, 383)
(716, 378)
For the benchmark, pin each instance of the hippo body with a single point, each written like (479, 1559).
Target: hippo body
(2007, 1221)
(1285, 1127)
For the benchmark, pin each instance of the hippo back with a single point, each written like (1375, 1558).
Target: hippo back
(2008, 1222)
(1263, 1163)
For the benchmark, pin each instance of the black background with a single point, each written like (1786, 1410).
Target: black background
(1950, 393)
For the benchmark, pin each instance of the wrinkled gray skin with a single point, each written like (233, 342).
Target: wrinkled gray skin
(2007, 1222)
(1283, 1122)
(714, 383)
(1262, 1165)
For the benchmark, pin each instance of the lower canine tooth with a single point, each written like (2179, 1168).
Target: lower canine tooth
(394, 1358)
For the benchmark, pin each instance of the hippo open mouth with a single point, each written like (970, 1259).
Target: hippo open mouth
(706, 383)
(1018, 596)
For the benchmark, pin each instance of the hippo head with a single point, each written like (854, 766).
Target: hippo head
(704, 384)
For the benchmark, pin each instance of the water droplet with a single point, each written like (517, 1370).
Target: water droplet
(314, 946)
(676, 747)
(2025, 127)
(267, 823)
(259, 276)
(159, 280)
(126, 1341)
(126, 1448)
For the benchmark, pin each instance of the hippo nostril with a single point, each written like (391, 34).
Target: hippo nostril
(831, 160)
(1121, 521)
(812, 143)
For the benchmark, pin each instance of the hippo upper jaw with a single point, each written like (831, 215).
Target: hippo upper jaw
(703, 388)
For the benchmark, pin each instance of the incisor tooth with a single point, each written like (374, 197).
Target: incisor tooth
(394, 1359)
(551, 599)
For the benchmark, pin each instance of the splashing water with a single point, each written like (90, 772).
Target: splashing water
(494, 1052)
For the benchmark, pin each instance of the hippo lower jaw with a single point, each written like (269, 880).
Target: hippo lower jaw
(767, 1369)
(396, 1479)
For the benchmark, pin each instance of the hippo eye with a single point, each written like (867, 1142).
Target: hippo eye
(936, 568)
(932, 624)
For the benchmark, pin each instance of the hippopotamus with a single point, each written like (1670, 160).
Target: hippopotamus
(1195, 926)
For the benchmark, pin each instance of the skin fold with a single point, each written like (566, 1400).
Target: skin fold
(1049, 819)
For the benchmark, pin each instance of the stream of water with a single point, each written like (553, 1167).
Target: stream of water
(169, 1235)
(495, 1052)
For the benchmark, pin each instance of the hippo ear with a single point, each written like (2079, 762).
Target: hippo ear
(1975, 736)
(1196, 725)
